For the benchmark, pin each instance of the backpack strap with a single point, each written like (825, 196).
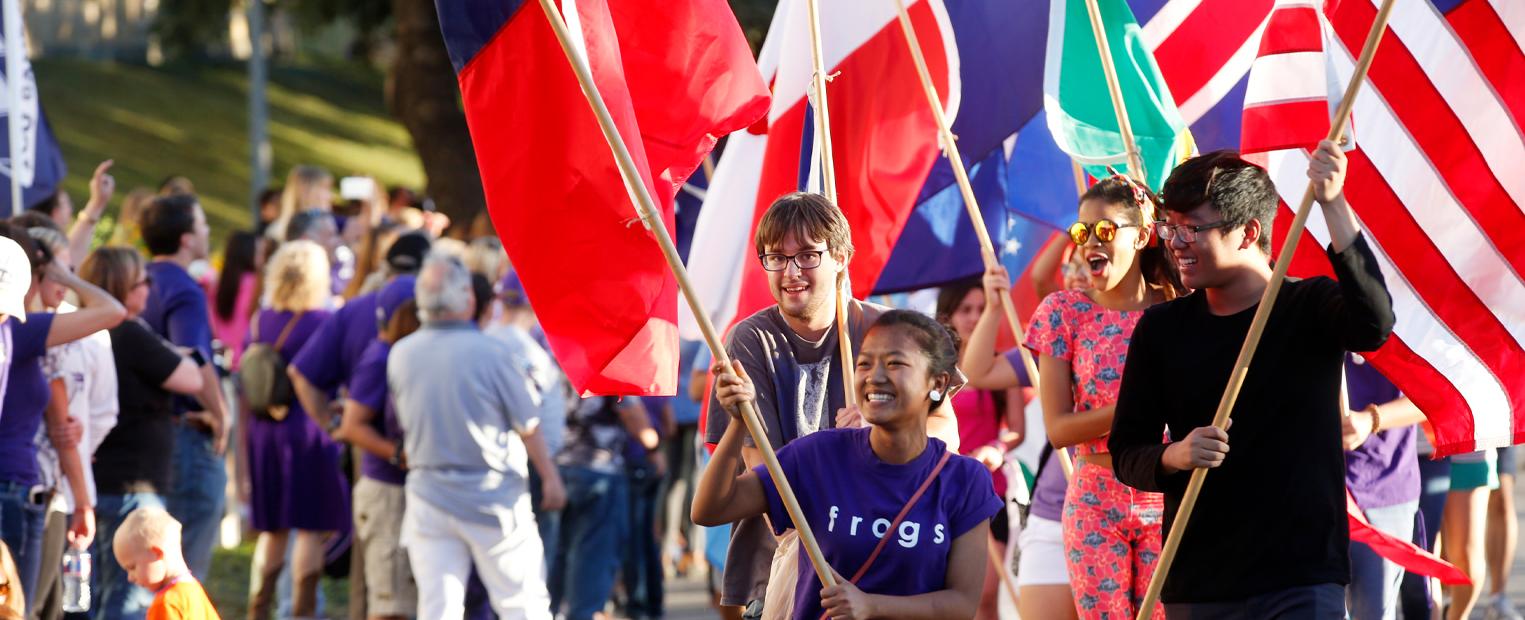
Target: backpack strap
(285, 331)
(895, 525)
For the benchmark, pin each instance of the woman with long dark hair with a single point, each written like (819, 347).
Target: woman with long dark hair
(236, 296)
(990, 421)
(1111, 532)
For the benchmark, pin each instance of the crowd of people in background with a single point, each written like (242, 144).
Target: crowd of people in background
(381, 403)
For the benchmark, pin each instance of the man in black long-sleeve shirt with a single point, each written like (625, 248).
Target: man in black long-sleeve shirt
(1268, 537)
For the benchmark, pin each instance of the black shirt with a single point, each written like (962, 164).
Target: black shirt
(135, 456)
(1272, 516)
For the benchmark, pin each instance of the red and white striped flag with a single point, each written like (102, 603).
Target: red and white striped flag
(1438, 183)
(1289, 97)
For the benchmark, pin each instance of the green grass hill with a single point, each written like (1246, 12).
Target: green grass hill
(193, 121)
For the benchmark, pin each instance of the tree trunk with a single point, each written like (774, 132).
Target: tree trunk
(421, 92)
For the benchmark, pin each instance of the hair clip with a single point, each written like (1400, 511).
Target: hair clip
(1139, 195)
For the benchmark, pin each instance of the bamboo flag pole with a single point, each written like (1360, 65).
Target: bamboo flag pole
(647, 210)
(987, 249)
(829, 188)
(1135, 160)
(822, 111)
(1000, 570)
(1263, 313)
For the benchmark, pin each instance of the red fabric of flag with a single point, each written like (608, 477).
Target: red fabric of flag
(674, 75)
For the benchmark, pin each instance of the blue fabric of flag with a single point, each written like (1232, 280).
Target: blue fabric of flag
(468, 25)
(48, 175)
(1000, 89)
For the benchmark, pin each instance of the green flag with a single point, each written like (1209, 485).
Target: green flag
(1079, 107)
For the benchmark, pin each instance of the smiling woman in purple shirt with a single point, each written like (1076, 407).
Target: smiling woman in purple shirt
(904, 521)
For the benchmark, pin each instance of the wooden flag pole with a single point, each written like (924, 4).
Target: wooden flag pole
(1135, 160)
(845, 343)
(1262, 314)
(647, 210)
(829, 189)
(987, 249)
(822, 111)
(1000, 570)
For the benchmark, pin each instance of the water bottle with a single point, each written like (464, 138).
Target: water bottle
(76, 577)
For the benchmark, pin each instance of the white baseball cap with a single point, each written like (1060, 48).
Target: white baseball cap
(15, 278)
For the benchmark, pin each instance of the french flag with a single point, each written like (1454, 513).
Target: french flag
(674, 75)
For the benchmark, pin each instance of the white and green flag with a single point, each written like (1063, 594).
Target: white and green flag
(1079, 108)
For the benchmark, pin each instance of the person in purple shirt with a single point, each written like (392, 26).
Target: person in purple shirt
(370, 423)
(297, 484)
(327, 360)
(854, 483)
(1382, 474)
(15, 279)
(23, 504)
(174, 229)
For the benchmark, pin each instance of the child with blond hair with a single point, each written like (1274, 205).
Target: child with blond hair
(147, 546)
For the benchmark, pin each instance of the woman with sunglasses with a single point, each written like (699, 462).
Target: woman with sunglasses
(1111, 532)
(132, 464)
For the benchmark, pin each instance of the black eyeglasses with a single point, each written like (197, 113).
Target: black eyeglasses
(809, 259)
(1104, 229)
(1187, 233)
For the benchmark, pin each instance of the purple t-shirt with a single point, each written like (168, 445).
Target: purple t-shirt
(368, 386)
(177, 307)
(26, 397)
(177, 310)
(328, 359)
(1384, 471)
(1048, 490)
(1014, 357)
(852, 509)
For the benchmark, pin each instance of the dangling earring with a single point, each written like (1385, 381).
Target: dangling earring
(936, 395)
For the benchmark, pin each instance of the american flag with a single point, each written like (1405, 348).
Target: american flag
(1437, 178)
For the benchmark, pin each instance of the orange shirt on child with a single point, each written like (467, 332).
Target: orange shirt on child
(184, 600)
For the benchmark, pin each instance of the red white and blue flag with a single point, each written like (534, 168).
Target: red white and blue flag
(1437, 177)
(674, 75)
(909, 224)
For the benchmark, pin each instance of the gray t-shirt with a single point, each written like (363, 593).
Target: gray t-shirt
(462, 398)
(799, 390)
(549, 381)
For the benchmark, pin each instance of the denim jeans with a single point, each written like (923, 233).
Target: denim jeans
(549, 523)
(197, 499)
(642, 562)
(1434, 485)
(22, 523)
(592, 529)
(115, 597)
(1318, 602)
(1373, 590)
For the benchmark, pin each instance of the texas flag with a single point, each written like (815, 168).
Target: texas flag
(674, 75)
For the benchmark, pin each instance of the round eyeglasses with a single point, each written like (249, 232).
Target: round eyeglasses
(1104, 230)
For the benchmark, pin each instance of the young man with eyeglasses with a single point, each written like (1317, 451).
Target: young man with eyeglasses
(1269, 536)
(789, 351)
